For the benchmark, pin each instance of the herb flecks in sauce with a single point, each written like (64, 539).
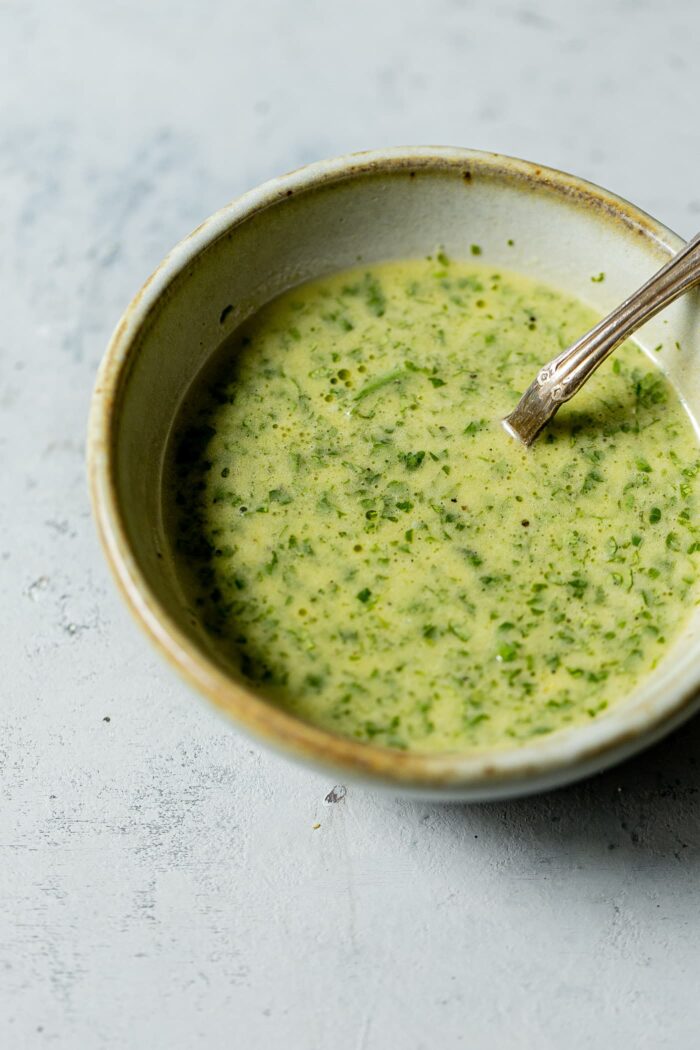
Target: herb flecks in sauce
(363, 541)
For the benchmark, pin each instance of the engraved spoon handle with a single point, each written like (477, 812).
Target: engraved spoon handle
(559, 380)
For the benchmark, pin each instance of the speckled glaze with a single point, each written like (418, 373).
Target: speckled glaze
(386, 204)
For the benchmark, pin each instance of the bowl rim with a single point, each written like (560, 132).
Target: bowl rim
(562, 757)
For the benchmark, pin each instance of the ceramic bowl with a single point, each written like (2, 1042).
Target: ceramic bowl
(386, 204)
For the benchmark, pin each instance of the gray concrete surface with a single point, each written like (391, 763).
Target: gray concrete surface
(161, 881)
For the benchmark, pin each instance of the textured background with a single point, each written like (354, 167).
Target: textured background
(161, 883)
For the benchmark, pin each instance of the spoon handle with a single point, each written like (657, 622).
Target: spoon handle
(564, 376)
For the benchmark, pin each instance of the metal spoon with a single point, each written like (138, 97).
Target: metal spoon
(564, 376)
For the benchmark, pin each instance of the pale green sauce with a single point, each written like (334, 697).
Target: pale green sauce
(362, 539)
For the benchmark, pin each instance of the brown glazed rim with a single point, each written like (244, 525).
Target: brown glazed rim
(565, 755)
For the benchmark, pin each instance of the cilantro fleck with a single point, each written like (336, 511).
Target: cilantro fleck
(412, 460)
